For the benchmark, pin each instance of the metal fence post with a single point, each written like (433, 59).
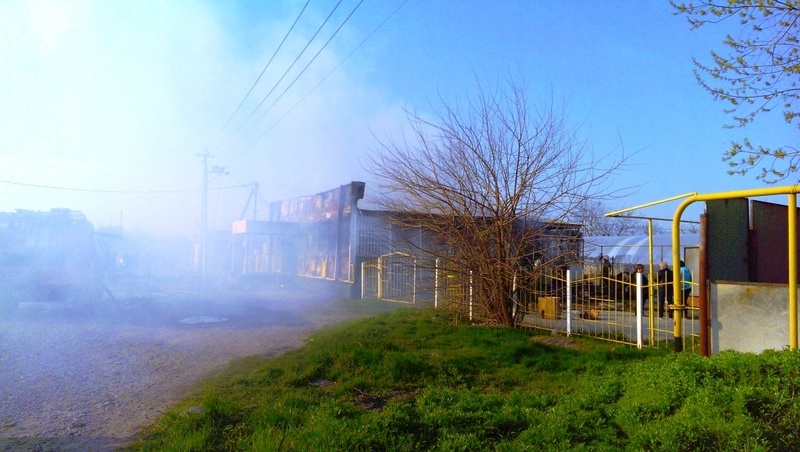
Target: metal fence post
(470, 295)
(436, 284)
(514, 299)
(380, 278)
(414, 284)
(569, 303)
(639, 310)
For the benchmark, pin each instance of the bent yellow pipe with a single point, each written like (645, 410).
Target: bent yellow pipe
(792, 252)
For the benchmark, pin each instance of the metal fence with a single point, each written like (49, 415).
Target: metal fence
(395, 277)
(613, 308)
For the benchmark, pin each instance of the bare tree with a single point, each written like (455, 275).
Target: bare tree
(760, 74)
(690, 228)
(591, 214)
(494, 180)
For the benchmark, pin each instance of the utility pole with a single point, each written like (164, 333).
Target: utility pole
(204, 213)
(255, 200)
(204, 219)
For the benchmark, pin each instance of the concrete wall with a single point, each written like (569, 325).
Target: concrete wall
(749, 317)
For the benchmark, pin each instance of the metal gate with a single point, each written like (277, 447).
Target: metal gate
(391, 277)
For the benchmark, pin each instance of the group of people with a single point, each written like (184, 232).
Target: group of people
(664, 279)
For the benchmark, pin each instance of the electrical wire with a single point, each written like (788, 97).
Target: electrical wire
(252, 144)
(132, 192)
(238, 108)
(375, 30)
(363, 41)
(286, 36)
(302, 72)
(285, 73)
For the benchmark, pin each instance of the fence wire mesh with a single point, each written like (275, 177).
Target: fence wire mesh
(611, 308)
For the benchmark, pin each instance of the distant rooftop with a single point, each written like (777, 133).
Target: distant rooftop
(634, 249)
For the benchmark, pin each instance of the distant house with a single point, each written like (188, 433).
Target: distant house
(327, 237)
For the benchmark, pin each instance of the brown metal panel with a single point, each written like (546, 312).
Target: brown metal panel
(770, 227)
(728, 225)
(702, 278)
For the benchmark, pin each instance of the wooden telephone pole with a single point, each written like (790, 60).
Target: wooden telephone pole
(204, 212)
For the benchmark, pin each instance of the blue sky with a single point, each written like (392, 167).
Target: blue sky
(105, 107)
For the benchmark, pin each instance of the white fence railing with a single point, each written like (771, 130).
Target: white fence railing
(617, 309)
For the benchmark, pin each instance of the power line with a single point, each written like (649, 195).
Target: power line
(304, 70)
(375, 30)
(286, 36)
(285, 73)
(130, 192)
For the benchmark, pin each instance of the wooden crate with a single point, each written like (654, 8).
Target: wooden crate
(549, 308)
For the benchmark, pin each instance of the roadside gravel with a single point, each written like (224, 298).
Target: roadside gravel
(90, 381)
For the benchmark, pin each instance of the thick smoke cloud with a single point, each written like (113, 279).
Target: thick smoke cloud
(112, 101)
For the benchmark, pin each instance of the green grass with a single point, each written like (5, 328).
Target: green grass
(414, 380)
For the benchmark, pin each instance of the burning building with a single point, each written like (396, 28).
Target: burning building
(327, 237)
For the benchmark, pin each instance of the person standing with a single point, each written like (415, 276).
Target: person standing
(645, 283)
(686, 283)
(664, 280)
(607, 270)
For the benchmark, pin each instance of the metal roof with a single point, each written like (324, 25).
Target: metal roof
(634, 249)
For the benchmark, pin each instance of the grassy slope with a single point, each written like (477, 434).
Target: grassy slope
(422, 380)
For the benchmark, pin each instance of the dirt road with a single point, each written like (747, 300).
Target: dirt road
(72, 380)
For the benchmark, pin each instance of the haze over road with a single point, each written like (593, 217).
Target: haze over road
(74, 380)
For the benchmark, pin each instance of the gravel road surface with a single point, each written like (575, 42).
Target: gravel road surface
(77, 380)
